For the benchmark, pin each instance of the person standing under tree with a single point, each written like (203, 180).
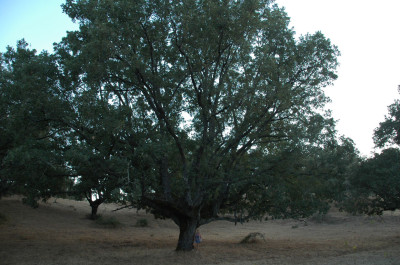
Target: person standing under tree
(197, 239)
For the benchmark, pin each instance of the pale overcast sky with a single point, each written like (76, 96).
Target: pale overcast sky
(367, 33)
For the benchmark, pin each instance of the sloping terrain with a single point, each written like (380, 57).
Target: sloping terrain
(58, 232)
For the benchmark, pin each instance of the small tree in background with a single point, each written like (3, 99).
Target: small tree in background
(30, 140)
(375, 185)
(94, 151)
(388, 132)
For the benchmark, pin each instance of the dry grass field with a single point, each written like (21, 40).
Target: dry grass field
(58, 232)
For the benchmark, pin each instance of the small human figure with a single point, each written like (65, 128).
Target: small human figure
(197, 239)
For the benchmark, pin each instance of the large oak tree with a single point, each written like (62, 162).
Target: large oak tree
(216, 86)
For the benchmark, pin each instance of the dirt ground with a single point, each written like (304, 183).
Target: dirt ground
(58, 232)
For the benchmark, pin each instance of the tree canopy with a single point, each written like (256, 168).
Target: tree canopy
(388, 131)
(375, 185)
(196, 110)
(31, 143)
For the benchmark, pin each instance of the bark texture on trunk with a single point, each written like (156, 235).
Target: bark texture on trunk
(187, 229)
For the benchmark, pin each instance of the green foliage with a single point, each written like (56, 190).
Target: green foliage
(142, 223)
(388, 131)
(375, 186)
(108, 222)
(296, 182)
(95, 149)
(31, 105)
(31, 200)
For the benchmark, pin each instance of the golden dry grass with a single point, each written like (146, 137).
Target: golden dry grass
(59, 233)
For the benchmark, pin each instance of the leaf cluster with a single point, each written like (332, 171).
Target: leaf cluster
(375, 185)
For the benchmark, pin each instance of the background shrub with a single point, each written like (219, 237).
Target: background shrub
(108, 222)
(142, 223)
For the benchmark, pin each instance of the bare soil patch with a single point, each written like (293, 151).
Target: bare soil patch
(58, 232)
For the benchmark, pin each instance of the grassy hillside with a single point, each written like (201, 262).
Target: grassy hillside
(58, 232)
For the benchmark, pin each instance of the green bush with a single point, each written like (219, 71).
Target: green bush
(108, 222)
(142, 223)
(30, 201)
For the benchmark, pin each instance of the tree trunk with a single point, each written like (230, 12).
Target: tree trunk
(93, 215)
(187, 229)
(94, 205)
